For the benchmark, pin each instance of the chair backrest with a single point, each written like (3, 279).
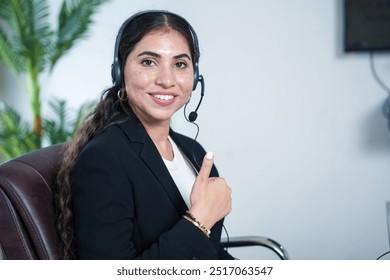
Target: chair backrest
(27, 228)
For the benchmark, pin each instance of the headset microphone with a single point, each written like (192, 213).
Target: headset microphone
(194, 114)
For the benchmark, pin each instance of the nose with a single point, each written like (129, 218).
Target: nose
(166, 77)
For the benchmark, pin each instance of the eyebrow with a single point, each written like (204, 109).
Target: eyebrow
(148, 53)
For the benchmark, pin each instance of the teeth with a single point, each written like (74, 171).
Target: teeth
(164, 97)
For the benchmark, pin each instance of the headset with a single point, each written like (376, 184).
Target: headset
(117, 67)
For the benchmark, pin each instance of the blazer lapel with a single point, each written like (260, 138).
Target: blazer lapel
(152, 158)
(188, 150)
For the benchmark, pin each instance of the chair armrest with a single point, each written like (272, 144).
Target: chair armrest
(2, 254)
(244, 241)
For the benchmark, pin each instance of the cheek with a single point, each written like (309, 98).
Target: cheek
(186, 82)
(137, 80)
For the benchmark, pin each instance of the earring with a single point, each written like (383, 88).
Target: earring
(121, 98)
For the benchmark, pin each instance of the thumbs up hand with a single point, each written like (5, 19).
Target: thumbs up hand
(210, 197)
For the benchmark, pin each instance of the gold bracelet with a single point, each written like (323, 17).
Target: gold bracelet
(188, 216)
(202, 228)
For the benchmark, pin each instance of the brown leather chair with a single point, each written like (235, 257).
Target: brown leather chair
(26, 209)
(27, 228)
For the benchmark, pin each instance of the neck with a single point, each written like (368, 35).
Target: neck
(159, 135)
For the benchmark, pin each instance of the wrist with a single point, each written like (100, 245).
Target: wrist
(190, 217)
(202, 217)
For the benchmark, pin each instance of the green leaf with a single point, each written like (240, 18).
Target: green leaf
(16, 138)
(9, 56)
(28, 22)
(74, 21)
(62, 122)
(10, 120)
(5, 9)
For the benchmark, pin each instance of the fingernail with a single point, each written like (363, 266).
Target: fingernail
(209, 155)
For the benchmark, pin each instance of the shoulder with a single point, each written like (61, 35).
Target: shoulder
(117, 137)
(104, 147)
(108, 137)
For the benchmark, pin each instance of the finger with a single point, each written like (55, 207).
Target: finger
(206, 167)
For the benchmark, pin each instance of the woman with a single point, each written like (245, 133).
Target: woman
(129, 187)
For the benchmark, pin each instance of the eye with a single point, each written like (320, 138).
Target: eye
(148, 63)
(181, 65)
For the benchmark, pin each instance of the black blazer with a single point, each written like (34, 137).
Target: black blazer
(126, 204)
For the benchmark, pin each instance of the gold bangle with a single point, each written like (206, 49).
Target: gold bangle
(188, 216)
(202, 228)
(200, 224)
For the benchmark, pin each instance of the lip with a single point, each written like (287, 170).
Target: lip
(160, 101)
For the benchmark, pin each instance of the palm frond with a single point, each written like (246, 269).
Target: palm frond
(10, 120)
(29, 22)
(38, 37)
(74, 20)
(15, 145)
(5, 9)
(15, 136)
(55, 126)
(63, 122)
(60, 111)
(10, 57)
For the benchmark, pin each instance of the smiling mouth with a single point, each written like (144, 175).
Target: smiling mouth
(163, 97)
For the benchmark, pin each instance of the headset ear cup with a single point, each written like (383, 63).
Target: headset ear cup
(196, 76)
(116, 74)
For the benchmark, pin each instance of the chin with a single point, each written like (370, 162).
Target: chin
(162, 117)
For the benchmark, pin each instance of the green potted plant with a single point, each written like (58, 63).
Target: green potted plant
(29, 46)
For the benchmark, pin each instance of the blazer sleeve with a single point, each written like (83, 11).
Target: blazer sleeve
(104, 215)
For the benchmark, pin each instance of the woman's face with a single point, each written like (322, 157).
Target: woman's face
(159, 76)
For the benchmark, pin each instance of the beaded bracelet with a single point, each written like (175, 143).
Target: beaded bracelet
(188, 216)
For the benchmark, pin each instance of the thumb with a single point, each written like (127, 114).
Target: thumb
(207, 164)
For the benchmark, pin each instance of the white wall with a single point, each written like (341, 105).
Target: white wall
(295, 123)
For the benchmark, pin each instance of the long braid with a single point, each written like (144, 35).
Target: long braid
(110, 110)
